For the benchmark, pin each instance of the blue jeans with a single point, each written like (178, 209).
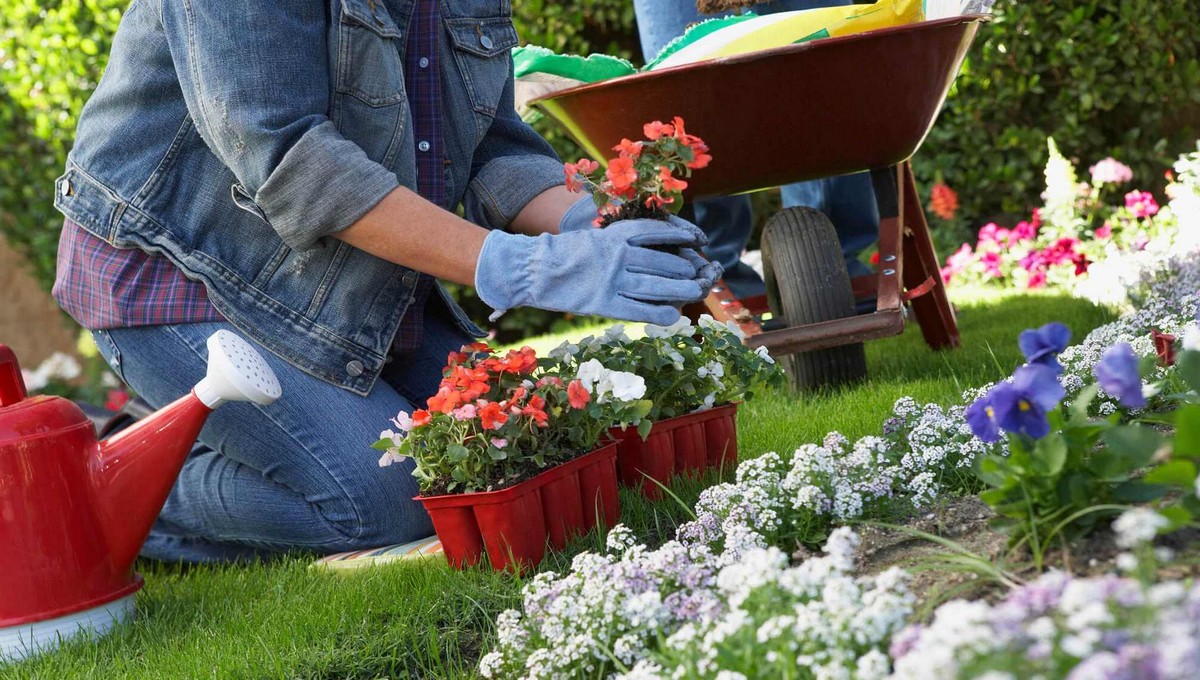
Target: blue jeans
(298, 474)
(848, 201)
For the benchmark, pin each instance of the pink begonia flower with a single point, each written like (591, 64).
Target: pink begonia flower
(1037, 218)
(1032, 260)
(464, 412)
(1141, 203)
(956, 263)
(991, 264)
(1141, 242)
(993, 233)
(1110, 171)
(1024, 231)
(403, 421)
(1037, 279)
(499, 443)
(1104, 231)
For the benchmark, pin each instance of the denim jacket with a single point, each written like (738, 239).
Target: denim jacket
(235, 136)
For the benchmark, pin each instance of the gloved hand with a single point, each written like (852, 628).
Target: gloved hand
(609, 272)
(582, 215)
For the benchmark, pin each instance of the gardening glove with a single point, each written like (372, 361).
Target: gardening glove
(708, 272)
(582, 215)
(608, 272)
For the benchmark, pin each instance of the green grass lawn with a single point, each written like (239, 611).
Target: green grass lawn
(421, 619)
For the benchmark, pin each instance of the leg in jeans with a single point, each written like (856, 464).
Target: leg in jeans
(299, 474)
(728, 221)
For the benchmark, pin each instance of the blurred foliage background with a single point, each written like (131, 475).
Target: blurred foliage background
(1103, 77)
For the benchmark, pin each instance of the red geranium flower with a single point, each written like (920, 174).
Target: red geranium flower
(578, 395)
(943, 201)
(622, 174)
(421, 417)
(628, 148)
(492, 416)
(657, 129)
(670, 183)
(446, 400)
(534, 409)
(116, 400)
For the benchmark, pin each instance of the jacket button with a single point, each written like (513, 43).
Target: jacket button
(354, 368)
(66, 187)
(486, 42)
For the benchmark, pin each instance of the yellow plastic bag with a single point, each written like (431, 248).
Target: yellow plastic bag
(787, 28)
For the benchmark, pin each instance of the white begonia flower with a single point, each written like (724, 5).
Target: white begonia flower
(396, 437)
(61, 366)
(616, 334)
(764, 354)
(1191, 339)
(622, 386)
(109, 380)
(1137, 526)
(564, 352)
(589, 373)
(34, 380)
(681, 327)
(390, 457)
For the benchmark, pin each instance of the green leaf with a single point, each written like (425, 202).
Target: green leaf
(643, 429)
(990, 470)
(1174, 472)
(1187, 431)
(1138, 492)
(1049, 455)
(1189, 369)
(1082, 402)
(1139, 444)
(457, 453)
(497, 454)
(1179, 517)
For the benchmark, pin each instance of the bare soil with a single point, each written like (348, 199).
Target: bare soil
(967, 522)
(30, 321)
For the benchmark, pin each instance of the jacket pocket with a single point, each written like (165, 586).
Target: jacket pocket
(481, 49)
(368, 59)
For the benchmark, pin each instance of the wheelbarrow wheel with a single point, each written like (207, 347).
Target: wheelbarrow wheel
(807, 282)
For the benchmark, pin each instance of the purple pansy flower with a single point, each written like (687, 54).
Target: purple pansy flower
(1020, 406)
(1042, 345)
(981, 416)
(1117, 372)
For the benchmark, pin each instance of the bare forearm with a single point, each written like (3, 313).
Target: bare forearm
(408, 230)
(543, 214)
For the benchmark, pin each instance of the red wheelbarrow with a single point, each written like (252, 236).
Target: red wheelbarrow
(818, 109)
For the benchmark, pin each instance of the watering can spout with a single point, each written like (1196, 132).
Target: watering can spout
(134, 471)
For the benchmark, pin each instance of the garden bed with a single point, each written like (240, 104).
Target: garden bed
(425, 620)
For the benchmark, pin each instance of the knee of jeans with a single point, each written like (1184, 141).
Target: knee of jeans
(383, 512)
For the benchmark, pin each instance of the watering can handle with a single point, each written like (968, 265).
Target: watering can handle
(12, 384)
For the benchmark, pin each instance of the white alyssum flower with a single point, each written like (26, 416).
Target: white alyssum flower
(1137, 526)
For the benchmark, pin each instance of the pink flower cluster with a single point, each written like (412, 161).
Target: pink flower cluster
(1110, 171)
(1141, 204)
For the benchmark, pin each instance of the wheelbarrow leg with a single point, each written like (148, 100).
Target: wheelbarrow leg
(926, 291)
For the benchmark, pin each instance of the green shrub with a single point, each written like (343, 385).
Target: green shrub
(1103, 77)
(51, 57)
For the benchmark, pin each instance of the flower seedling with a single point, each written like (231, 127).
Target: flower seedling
(645, 180)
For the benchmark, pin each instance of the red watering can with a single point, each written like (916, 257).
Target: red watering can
(74, 512)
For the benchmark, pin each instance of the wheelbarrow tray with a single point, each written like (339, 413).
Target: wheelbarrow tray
(818, 109)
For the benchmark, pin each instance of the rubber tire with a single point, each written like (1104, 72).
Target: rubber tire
(807, 282)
